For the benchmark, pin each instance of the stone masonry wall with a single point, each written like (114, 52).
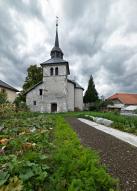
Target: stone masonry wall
(70, 96)
(79, 98)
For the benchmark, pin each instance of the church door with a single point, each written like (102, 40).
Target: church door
(54, 107)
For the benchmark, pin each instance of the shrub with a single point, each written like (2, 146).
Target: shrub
(7, 110)
(3, 97)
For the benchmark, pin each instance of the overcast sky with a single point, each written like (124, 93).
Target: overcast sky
(98, 37)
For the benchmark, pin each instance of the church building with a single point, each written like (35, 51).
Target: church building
(55, 93)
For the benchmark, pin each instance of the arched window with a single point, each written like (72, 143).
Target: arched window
(51, 71)
(56, 71)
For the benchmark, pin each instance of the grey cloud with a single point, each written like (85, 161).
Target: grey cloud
(31, 9)
(13, 63)
(88, 35)
(88, 25)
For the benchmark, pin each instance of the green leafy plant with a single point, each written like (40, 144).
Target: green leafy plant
(3, 97)
(27, 144)
(42, 153)
(76, 168)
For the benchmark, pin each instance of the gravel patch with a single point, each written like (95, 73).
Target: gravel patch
(126, 137)
(119, 157)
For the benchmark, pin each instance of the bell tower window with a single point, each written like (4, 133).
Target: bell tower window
(51, 71)
(56, 71)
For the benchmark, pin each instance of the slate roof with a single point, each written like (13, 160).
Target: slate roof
(33, 87)
(58, 49)
(56, 60)
(5, 85)
(125, 98)
(76, 84)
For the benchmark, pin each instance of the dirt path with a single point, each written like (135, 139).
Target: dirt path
(119, 157)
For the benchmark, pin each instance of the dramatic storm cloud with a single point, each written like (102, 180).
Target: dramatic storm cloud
(97, 37)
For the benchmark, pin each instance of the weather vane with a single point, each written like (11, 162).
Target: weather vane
(57, 19)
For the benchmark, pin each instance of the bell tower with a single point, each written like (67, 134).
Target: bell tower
(55, 72)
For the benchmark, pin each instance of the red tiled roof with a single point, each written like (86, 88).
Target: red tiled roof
(125, 98)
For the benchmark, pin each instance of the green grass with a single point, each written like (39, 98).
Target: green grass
(42, 153)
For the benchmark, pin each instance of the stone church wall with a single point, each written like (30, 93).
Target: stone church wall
(33, 96)
(61, 70)
(56, 92)
(78, 98)
(70, 96)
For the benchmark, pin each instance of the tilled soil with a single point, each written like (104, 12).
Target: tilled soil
(119, 157)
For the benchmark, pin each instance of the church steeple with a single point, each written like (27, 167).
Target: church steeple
(56, 52)
(56, 38)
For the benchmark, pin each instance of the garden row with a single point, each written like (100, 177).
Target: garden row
(121, 122)
(42, 153)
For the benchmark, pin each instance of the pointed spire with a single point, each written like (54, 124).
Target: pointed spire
(56, 38)
(56, 52)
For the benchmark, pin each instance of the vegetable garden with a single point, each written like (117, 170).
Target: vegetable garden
(42, 153)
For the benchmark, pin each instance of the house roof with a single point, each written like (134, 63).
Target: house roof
(5, 85)
(33, 87)
(75, 84)
(125, 98)
(56, 61)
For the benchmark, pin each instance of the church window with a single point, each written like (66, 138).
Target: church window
(34, 102)
(51, 71)
(56, 71)
(40, 91)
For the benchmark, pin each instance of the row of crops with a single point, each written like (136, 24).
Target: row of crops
(42, 153)
(25, 145)
(121, 122)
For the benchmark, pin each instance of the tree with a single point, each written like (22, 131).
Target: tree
(33, 77)
(103, 103)
(91, 94)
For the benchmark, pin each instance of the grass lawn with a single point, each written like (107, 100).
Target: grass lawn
(40, 152)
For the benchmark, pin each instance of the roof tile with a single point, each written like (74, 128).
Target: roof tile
(125, 98)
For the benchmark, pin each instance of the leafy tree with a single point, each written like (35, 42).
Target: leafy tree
(3, 97)
(20, 98)
(33, 77)
(91, 94)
